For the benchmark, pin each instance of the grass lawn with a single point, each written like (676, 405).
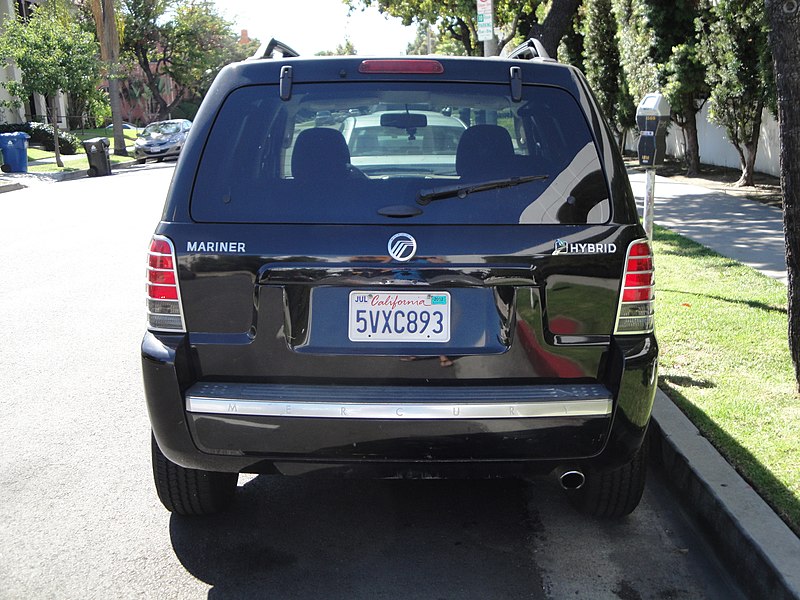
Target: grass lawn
(722, 330)
(74, 165)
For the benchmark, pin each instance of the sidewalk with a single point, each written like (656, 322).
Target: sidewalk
(741, 229)
(751, 538)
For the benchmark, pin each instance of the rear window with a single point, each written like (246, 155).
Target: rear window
(358, 153)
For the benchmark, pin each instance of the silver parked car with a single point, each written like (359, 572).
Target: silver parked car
(417, 143)
(162, 139)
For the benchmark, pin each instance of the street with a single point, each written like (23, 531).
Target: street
(79, 517)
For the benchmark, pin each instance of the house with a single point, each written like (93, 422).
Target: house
(35, 108)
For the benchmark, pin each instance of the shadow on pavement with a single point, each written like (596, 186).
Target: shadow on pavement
(318, 538)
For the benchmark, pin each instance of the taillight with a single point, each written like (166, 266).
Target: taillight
(635, 314)
(164, 311)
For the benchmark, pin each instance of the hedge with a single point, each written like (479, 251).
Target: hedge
(42, 134)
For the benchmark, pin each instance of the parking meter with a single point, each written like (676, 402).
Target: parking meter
(652, 119)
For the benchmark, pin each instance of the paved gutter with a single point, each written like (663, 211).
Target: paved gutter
(760, 549)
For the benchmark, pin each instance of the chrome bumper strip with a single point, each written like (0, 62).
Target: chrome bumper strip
(407, 403)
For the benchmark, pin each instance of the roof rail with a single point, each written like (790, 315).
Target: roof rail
(529, 49)
(267, 50)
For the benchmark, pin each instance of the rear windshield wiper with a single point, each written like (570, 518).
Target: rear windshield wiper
(425, 197)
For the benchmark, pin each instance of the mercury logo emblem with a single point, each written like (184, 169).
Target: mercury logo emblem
(402, 247)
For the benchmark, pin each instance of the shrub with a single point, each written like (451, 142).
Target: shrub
(43, 134)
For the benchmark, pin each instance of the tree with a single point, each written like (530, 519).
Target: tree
(105, 21)
(784, 21)
(346, 49)
(681, 73)
(602, 66)
(635, 38)
(430, 41)
(54, 55)
(570, 50)
(457, 19)
(553, 25)
(184, 41)
(739, 63)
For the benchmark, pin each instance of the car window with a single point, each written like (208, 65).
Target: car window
(162, 129)
(342, 153)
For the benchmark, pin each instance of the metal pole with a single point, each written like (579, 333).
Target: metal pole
(649, 202)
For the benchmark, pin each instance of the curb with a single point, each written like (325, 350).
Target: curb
(760, 549)
(10, 186)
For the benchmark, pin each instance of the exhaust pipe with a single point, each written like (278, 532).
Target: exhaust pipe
(571, 479)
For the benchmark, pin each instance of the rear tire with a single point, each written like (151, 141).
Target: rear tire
(190, 491)
(141, 161)
(616, 493)
(92, 172)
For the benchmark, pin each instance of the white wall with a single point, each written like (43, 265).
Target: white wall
(715, 149)
(8, 115)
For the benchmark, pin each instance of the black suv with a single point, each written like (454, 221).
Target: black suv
(447, 278)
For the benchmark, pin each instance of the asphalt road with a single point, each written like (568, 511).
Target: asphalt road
(79, 517)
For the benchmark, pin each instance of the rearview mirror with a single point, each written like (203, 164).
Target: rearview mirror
(404, 120)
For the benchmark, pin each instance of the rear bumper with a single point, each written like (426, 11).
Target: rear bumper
(391, 430)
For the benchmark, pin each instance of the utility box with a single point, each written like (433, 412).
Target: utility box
(652, 118)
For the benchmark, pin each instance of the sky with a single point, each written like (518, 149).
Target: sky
(311, 26)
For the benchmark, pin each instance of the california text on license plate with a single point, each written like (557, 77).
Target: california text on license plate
(399, 317)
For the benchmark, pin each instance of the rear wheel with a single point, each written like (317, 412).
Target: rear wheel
(141, 161)
(616, 493)
(190, 491)
(92, 172)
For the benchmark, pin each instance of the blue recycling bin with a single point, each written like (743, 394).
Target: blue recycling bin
(14, 147)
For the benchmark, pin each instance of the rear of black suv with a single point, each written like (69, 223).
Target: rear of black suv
(448, 279)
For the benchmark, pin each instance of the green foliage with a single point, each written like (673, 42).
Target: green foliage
(346, 49)
(674, 52)
(602, 64)
(95, 107)
(739, 63)
(457, 19)
(634, 39)
(187, 41)
(571, 49)
(42, 134)
(443, 45)
(54, 54)
(203, 42)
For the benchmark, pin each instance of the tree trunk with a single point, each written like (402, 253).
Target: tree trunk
(692, 145)
(116, 117)
(784, 18)
(748, 159)
(54, 120)
(106, 25)
(750, 150)
(555, 24)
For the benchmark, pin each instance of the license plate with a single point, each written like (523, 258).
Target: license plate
(399, 317)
